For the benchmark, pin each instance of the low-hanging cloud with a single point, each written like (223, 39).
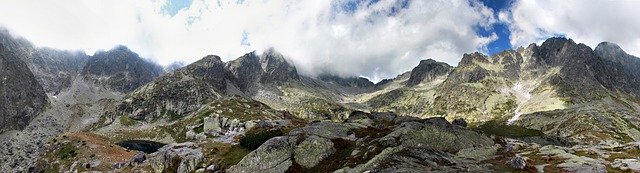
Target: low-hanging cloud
(343, 37)
(585, 21)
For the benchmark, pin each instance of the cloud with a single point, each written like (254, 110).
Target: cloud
(375, 39)
(585, 21)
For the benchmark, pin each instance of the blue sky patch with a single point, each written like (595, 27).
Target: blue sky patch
(500, 29)
(174, 6)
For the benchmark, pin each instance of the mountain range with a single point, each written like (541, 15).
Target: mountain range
(560, 107)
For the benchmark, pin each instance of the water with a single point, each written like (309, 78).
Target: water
(141, 145)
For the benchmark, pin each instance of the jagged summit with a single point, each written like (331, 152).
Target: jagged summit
(427, 71)
(121, 69)
(357, 82)
(268, 68)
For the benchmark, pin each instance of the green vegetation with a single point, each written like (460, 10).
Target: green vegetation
(234, 155)
(501, 129)
(126, 121)
(253, 140)
(67, 151)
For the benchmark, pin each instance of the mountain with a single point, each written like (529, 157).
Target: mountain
(546, 87)
(427, 71)
(21, 96)
(559, 106)
(180, 92)
(54, 69)
(120, 69)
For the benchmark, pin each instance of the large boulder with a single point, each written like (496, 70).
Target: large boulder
(179, 157)
(313, 150)
(272, 156)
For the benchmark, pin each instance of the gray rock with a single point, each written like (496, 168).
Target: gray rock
(188, 154)
(517, 162)
(445, 138)
(190, 134)
(427, 71)
(249, 124)
(212, 168)
(212, 125)
(272, 156)
(313, 150)
(138, 158)
(118, 165)
(383, 116)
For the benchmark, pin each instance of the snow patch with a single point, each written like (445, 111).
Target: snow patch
(522, 92)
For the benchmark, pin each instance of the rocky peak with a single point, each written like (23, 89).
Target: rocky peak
(270, 67)
(120, 69)
(276, 68)
(469, 59)
(613, 52)
(428, 70)
(356, 82)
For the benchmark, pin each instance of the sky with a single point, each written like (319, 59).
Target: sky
(376, 39)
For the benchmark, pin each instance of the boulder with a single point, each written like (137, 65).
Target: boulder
(180, 157)
(272, 156)
(313, 150)
(212, 125)
(517, 162)
(249, 124)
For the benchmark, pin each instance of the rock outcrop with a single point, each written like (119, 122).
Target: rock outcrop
(427, 71)
(21, 96)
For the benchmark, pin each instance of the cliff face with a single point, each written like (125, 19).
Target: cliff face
(21, 96)
(120, 69)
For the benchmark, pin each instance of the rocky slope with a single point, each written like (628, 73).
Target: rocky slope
(54, 69)
(21, 96)
(559, 79)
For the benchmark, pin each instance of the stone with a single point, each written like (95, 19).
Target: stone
(383, 116)
(627, 164)
(460, 122)
(138, 158)
(118, 165)
(249, 124)
(187, 153)
(272, 156)
(313, 150)
(212, 168)
(212, 125)
(233, 124)
(517, 162)
(190, 134)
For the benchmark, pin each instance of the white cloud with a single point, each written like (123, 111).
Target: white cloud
(585, 21)
(318, 36)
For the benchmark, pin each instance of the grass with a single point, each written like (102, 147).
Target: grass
(501, 129)
(68, 151)
(126, 121)
(234, 155)
(223, 154)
